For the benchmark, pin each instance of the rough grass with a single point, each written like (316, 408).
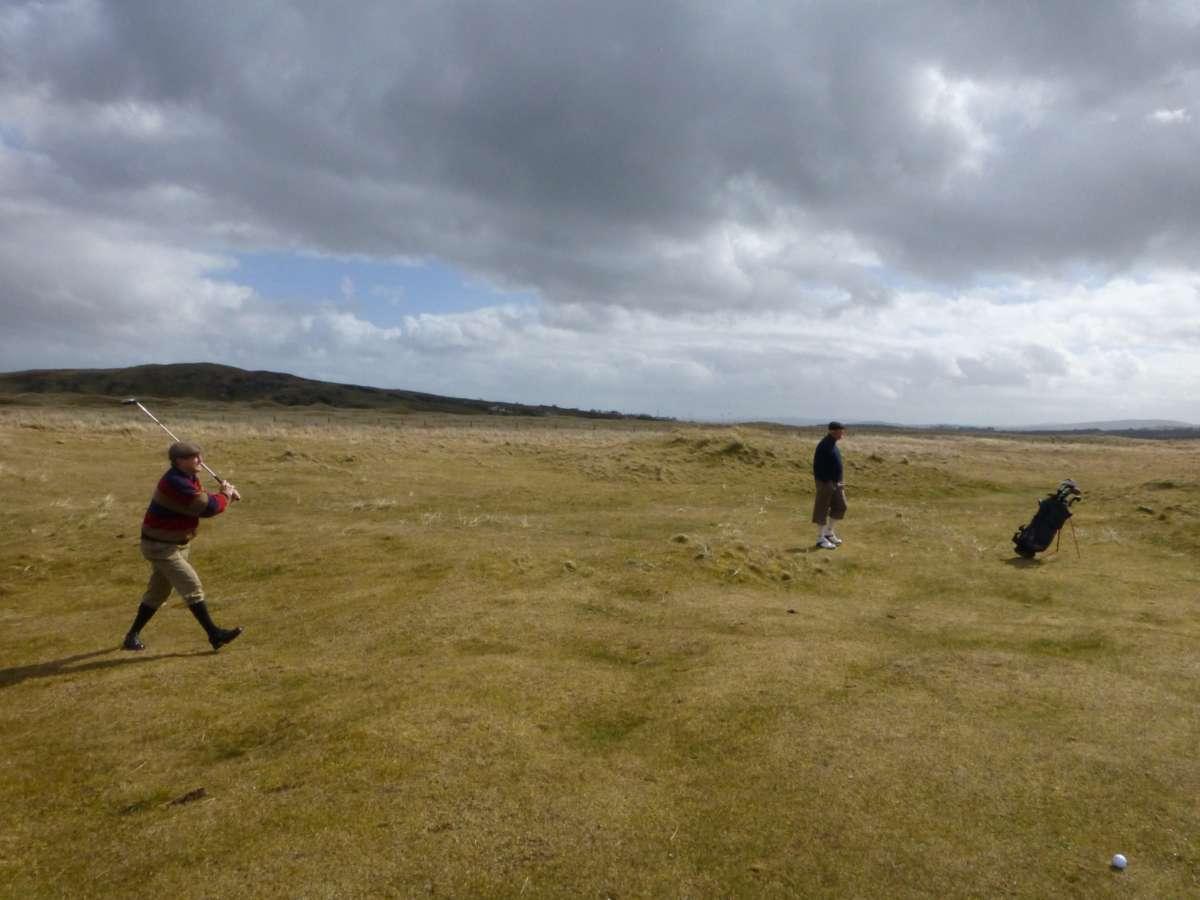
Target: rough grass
(542, 659)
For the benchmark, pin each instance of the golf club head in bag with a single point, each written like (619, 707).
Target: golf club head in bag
(1052, 513)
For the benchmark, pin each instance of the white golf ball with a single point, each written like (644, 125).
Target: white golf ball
(1119, 861)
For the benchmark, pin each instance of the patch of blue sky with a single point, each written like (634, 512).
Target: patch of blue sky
(999, 287)
(11, 136)
(1008, 290)
(380, 291)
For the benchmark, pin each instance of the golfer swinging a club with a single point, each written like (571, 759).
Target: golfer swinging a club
(171, 521)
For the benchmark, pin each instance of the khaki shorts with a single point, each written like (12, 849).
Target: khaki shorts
(170, 569)
(830, 502)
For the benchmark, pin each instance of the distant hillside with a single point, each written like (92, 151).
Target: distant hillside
(1114, 425)
(1145, 429)
(1152, 429)
(209, 381)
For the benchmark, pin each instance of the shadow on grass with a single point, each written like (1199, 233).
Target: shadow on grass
(1020, 562)
(72, 665)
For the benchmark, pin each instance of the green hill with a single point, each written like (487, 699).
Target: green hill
(210, 381)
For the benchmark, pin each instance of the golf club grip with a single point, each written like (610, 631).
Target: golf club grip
(218, 477)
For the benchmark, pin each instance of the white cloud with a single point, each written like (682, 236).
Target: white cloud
(97, 278)
(950, 104)
(977, 360)
(1170, 116)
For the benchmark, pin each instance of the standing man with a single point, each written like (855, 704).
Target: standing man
(174, 514)
(830, 503)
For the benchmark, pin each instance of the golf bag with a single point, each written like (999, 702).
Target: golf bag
(1052, 515)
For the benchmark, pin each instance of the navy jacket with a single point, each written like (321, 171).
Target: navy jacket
(827, 461)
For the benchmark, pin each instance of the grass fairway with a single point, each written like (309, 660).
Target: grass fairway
(528, 660)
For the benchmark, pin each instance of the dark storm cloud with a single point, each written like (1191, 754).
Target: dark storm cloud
(609, 153)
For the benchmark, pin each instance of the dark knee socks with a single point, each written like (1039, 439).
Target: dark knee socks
(200, 611)
(144, 614)
(218, 637)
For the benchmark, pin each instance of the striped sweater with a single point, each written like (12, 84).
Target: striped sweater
(178, 505)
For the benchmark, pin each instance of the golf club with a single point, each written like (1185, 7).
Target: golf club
(135, 402)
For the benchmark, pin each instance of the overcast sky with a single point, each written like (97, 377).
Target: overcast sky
(983, 213)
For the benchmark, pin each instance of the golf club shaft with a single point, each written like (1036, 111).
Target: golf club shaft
(138, 403)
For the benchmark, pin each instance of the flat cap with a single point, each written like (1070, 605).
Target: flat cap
(181, 450)
(836, 426)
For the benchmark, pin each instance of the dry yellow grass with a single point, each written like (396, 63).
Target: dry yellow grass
(545, 659)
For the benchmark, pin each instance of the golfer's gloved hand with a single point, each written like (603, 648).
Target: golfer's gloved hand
(230, 491)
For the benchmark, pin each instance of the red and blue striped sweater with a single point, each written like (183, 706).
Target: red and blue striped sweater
(178, 505)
